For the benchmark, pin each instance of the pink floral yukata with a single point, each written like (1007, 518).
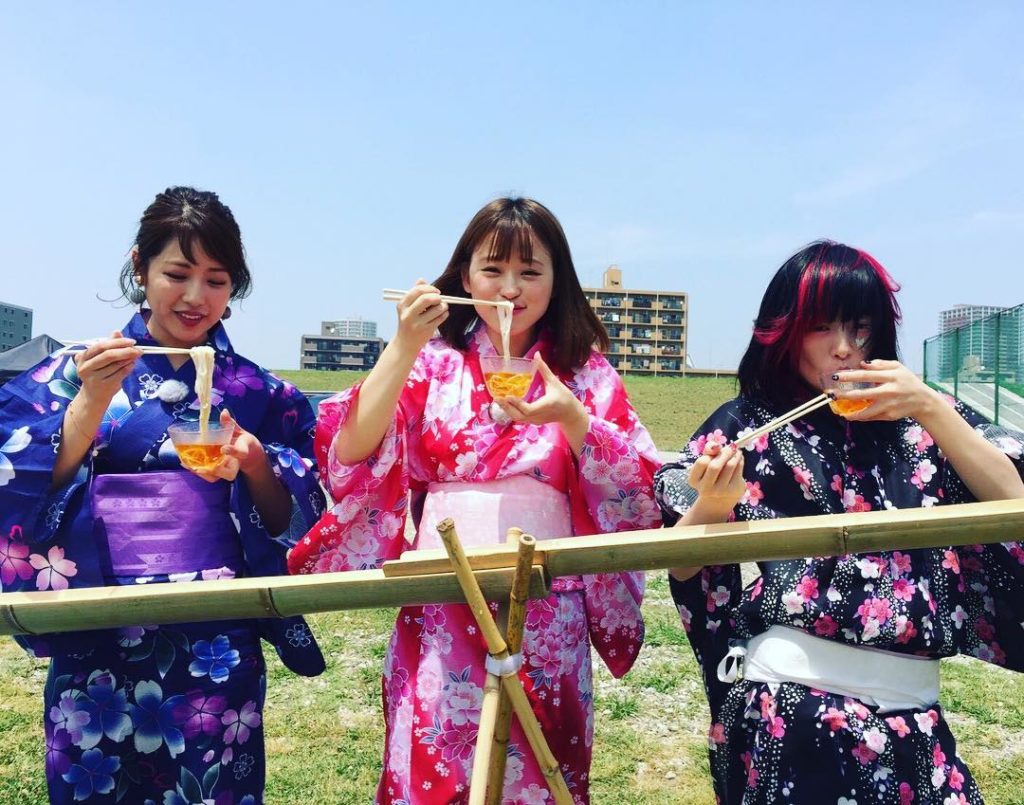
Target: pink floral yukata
(444, 435)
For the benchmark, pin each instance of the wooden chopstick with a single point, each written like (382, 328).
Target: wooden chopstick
(785, 419)
(69, 345)
(394, 295)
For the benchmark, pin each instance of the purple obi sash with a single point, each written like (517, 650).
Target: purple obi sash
(170, 522)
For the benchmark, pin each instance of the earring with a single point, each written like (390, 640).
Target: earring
(137, 295)
(226, 314)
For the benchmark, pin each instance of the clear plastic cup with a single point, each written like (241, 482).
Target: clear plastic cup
(196, 451)
(841, 406)
(511, 378)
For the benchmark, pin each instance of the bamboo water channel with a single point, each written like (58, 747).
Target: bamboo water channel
(427, 577)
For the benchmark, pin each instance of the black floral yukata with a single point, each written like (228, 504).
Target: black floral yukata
(792, 744)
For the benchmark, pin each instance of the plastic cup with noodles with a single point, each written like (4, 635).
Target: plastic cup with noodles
(197, 452)
(841, 406)
(511, 378)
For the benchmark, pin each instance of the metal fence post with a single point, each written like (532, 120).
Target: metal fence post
(999, 348)
(956, 362)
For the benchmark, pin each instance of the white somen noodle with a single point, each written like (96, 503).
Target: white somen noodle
(202, 357)
(505, 326)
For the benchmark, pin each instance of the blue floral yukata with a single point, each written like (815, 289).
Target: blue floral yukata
(169, 715)
(787, 743)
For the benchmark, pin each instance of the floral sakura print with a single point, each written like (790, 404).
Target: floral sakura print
(791, 743)
(445, 431)
(148, 714)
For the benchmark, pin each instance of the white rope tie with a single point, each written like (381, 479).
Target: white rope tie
(507, 667)
(730, 669)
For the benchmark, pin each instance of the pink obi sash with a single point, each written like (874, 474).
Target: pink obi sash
(484, 511)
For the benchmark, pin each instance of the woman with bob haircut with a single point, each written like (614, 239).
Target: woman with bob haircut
(92, 494)
(570, 458)
(822, 673)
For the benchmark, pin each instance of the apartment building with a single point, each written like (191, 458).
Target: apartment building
(647, 329)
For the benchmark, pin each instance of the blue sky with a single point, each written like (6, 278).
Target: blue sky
(696, 146)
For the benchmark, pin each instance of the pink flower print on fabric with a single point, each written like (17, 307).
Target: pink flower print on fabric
(877, 609)
(718, 597)
(923, 473)
(697, 446)
(903, 589)
(760, 444)
(54, 569)
(835, 719)
(825, 626)
(240, 723)
(853, 502)
(807, 588)
(864, 753)
(803, 479)
(753, 496)
(919, 438)
(14, 563)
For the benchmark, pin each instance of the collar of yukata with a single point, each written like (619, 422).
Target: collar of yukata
(136, 328)
(479, 342)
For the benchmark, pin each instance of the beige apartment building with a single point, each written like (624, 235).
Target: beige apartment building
(647, 329)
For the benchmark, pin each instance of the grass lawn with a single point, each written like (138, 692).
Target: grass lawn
(325, 735)
(670, 408)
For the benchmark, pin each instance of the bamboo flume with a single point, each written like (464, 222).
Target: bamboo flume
(749, 541)
(257, 597)
(425, 576)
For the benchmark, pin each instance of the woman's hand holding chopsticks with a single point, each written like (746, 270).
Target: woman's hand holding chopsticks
(102, 367)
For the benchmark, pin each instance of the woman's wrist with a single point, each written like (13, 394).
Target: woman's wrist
(707, 510)
(932, 407)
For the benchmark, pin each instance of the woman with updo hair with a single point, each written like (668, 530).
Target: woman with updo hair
(92, 494)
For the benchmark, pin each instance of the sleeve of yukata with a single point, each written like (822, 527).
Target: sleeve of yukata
(32, 555)
(704, 600)
(365, 526)
(987, 579)
(615, 475)
(286, 433)
(32, 408)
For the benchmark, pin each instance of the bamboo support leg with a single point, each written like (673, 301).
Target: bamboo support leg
(482, 759)
(497, 647)
(514, 637)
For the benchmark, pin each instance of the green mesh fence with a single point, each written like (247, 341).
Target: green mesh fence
(982, 363)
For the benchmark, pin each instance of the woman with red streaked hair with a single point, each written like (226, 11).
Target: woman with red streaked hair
(822, 673)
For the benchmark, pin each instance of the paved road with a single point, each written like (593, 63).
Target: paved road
(981, 397)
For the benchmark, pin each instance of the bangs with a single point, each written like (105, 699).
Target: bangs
(828, 295)
(510, 231)
(220, 244)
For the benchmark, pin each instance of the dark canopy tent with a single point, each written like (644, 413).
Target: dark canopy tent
(24, 356)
